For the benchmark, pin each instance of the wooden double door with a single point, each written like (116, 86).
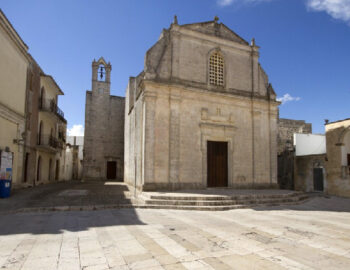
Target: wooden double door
(217, 164)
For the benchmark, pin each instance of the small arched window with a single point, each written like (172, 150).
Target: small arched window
(216, 69)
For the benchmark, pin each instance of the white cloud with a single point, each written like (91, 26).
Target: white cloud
(225, 3)
(76, 130)
(338, 9)
(287, 97)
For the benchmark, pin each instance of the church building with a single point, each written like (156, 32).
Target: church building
(104, 127)
(201, 114)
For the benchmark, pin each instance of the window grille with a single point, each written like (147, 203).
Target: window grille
(216, 69)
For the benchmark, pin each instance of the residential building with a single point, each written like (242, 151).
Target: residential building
(338, 157)
(51, 137)
(13, 75)
(32, 127)
(310, 162)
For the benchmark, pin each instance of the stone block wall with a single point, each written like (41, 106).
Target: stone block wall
(285, 150)
(104, 135)
(286, 129)
(303, 171)
(338, 165)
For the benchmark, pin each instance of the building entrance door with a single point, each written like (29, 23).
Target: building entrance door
(318, 179)
(217, 164)
(57, 175)
(26, 168)
(111, 169)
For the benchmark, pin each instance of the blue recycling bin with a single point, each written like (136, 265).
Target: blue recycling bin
(5, 188)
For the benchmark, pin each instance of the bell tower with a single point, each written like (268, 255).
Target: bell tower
(101, 77)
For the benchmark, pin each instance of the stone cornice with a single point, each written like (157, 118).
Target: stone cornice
(192, 34)
(11, 115)
(13, 35)
(234, 93)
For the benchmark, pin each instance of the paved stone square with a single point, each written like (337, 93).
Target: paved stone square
(313, 235)
(67, 194)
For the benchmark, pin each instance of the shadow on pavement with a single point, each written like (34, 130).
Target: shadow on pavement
(72, 221)
(69, 195)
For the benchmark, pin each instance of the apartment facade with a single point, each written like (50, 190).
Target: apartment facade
(13, 73)
(51, 136)
(32, 127)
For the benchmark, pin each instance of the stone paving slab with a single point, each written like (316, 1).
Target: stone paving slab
(313, 235)
(222, 192)
(70, 195)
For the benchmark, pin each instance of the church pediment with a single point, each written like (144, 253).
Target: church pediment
(214, 28)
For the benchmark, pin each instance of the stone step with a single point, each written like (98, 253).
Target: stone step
(215, 208)
(225, 202)
(221, 197)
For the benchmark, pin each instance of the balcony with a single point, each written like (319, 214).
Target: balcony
(62, 136)
(49, 143)
(49, 105)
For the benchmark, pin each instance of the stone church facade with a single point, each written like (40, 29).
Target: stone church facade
(201, 114)
(104, 127)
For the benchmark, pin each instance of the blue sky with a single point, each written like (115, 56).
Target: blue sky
(304, 45)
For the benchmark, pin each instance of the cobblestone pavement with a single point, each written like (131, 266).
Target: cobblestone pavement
(313, 235)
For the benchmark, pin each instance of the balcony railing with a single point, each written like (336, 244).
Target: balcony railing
(49, 141)
(62, 136)
(49, 105)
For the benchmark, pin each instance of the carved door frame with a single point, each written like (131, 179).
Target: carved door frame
(218, 133)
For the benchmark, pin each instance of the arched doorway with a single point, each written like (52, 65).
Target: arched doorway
(25, 178)
(318, 179)
(38, 170)
(50, 166)
(57, 174)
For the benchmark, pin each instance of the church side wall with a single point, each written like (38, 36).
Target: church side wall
(88, 140)
(127, 150)
(114, 145)
(133, 141)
